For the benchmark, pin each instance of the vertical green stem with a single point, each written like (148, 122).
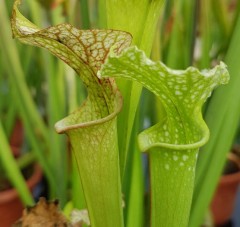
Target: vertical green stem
(10, 116)
(12, 169)
(172, 181)
(56, 110)
(140, 19)
(102, 16)
(190, 21)
(84, 10)
(221, 13)
(182, 35)
(176, 40)
(134, 191)
(206, 32)
(18, 76)
(35, 128)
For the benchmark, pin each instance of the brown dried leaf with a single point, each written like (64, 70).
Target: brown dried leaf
(45, 214)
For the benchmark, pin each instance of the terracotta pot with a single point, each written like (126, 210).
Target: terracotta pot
(224, 199)
(16, 151)
(16, 138)
(10, 205)
(17, 135)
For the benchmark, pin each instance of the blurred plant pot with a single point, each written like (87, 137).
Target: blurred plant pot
(224, 199)
(10, 204)
(16, 138)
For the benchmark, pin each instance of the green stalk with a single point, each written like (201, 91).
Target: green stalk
(172, 186)
(134, 191)
(235, 18)
(206, 33)
(190, 22)
(176, 39)
(223, 127)
(35, 11)
(56, 110)
(102, 15)
(35, 128)
(182, 35)
(10, 116)
(221, 14)
(71, 12)
(156, 51)
(174, 142)
(13, 172)
(20, 84)
(140, 19)
(57, 16)
(7, 112)
(84, 10)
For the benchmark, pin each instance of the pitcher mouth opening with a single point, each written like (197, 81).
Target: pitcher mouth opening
(62, 127)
